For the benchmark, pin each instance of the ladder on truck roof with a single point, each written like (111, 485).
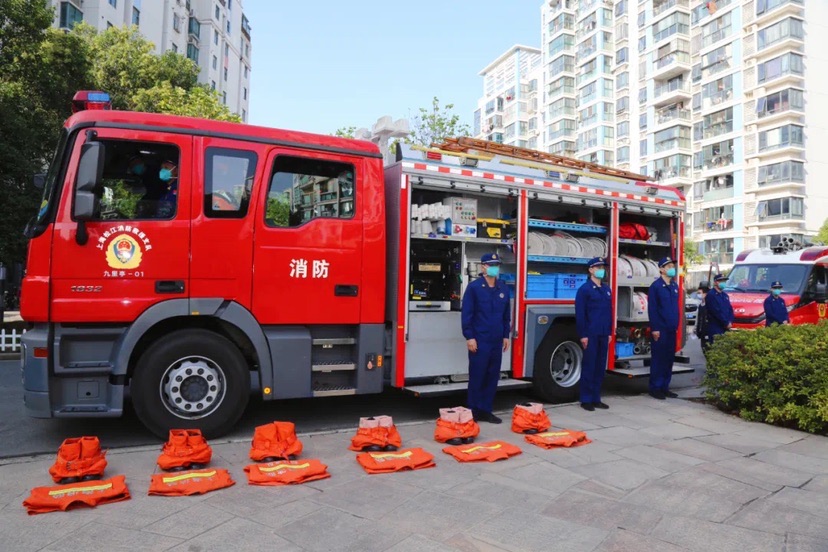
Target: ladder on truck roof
(464, 144)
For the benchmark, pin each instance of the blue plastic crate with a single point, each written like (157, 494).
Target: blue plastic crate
(624, 349)
(570, 281)
(530, 294)
(508, 278)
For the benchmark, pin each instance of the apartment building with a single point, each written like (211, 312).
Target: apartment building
(213, 33)
(509, 112)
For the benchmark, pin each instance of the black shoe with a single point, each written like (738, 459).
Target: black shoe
(455, 441)
(600, 405)
(91, 477)
(588, 407)
(492, 419)
(657, 395)
(671, 394)
(371, 448)
(389, 448)
(197, 466)
(468, 440)
(530, 431)
(68, 480)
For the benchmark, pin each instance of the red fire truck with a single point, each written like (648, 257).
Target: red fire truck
(803, 273)
(191, 262)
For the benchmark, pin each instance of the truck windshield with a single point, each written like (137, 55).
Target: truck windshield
(759, 277)
(51, 178)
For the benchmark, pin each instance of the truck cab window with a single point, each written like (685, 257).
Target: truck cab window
(228, 179)
(140, 181)
(304, 189)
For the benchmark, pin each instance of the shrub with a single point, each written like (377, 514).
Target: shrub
(777, 375)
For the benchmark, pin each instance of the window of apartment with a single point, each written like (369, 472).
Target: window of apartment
(778, 102)
(609, 158)
(781, 137)
(588, 139)
(246, 70)
(642, 147)
(786, 171)
(622, 80)
(677, 23)
(714, 184)
(673, 137)
(697, 101)
(621, 55)
(303, 189)
(244, 94)
(642, 43)
(720, 251)
(225, 73)
(606, 17)
(767, 242)
(212, 85)
(606, 64)
(587, 25)
(642, 121)
(175, 48)
(218, 13)
(226, 50)
(642, 69)
(642, 18)
(565, 147)
(588, 92)
(622, 31)
(215, 36)
(224, 98)
(642, 96)
(785, 29)
(564, 64)
(696, 73)
(588, 47)
(764, 6)
(69, 15)
(136, 16)
(176, 24)
(564, 85)
(564, 106)
(607, 88)
(780, 208)
(714, 156)
(588, 116)
(247, 49)
(228, 27)
(718, 91)
(716, 61)
(509, 132)
(672, 166)
(703, 10)
(532, 143)
(787, 64)
(228, 179)
(624, 154)
(622, 104)
(716, 30)
(192, 52)
(623, 129)
(562, 128)
(564, 21)
(621, 8)
(113, 3)
(215, 62)
(561, 43)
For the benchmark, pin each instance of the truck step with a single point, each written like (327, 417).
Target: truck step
(644, 371)
(333, 367)
(331, 341)
(447, 388)
(328, 390)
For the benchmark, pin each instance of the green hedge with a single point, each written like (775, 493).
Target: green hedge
(777, 375)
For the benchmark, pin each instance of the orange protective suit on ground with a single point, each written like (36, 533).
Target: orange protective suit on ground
(376, 433)
(456, 426)
(491, 452)
(67, 497)
(274, 441)
(402, 460)
(558, 438)
(78, 457)
(289, 472)
(530, 418)
(184, 448)
(190, 482)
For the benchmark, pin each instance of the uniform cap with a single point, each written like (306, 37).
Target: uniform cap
(719, 278)
(777, 284)
(596, 261)
(490, 258)
(665, 261)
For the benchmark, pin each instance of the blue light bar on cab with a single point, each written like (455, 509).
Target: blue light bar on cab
(90, 99)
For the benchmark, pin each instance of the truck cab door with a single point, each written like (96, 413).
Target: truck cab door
(309, 240)
(137, 251)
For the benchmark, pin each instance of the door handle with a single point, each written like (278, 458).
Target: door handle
(169, 286)
(342, 290)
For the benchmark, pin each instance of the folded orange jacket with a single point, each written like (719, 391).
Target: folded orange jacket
(78, 457)
(492, 451)
(525, 420)
(375, 436)
(67, 497)
(291, 472)
(190, 482)
(446, 430)
(558, 438)
(275, 440)
(184, 447)
(401, 460)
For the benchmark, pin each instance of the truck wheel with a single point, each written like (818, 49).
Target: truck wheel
(558, 364)
(191, 379)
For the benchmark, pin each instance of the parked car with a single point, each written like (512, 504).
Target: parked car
(691, 307)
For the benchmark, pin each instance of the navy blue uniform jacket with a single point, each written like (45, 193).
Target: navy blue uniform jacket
(775, 310)
(593, 310)
(486, 312)
(719, 312)
(663, 306)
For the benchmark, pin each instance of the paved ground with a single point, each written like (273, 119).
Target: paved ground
(660, 475)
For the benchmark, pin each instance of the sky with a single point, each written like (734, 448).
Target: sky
(319, 65)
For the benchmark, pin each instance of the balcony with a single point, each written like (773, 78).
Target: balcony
(664, 6)
(787, 35)
(563, 5)
(715, 162)
(767, 10)
(671, 92)
(673, 144)
(720, 225)
(245, 26)
(718, 194)
(671, 65)
(717, 99)
(720, 258)
(672, 113)
(674, 175)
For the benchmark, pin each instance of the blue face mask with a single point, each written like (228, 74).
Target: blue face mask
(600, 273)
(165, 175)
(492, 271)
(671, 272)
(776, 292)
(138, 169)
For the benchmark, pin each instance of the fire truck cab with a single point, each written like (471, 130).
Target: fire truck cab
(804, 277)
(190, 262)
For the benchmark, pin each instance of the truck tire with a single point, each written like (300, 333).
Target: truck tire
(558, 365)
(190, 379)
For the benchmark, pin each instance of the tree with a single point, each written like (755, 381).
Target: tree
(822, 235)
(345, 132)
(195, 102)
(691, 253)
(435, 125)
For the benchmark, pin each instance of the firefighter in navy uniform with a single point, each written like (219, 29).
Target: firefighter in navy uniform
(775, 310)
(593, 321)
(486, 321)
(664, 315)
(719, 309)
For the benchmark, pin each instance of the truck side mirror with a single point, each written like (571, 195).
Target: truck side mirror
(90, 174)
(821, 294)
(39, 181)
